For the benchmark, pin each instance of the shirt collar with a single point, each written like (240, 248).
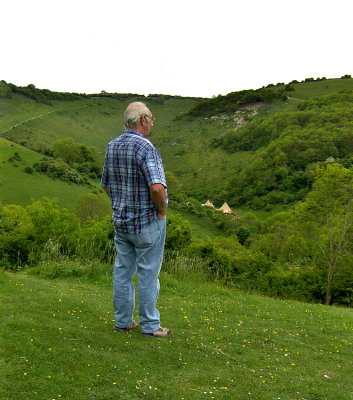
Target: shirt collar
(133, 132)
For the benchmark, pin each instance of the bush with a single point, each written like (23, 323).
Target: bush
(178, 233)
(58, 169)
(95, 240)
(90, 206)
(16, 236)
(44, 231)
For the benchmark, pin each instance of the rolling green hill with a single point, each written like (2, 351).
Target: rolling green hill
(19, 187)
(267, 156)
(186, 141)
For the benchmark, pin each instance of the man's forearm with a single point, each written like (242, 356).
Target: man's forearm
(158, 197)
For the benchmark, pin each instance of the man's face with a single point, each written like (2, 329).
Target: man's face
(147, 124)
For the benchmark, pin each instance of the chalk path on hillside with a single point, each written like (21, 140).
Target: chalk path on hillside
(39, 116)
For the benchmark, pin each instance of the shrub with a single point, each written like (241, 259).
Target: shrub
(16, 236)
(178, 233)
(95, 240)
(58, 169)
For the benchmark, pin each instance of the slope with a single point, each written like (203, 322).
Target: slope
(185, 142)
(19, 187)
(60, 344)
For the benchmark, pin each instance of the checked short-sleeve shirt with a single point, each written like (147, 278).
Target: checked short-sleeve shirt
(132, 164)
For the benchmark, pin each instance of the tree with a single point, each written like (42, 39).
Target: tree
(91, 206)
(68, 150)
(16, 236)
(326, 218)
(178, 233)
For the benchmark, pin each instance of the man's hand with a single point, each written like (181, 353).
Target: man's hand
(157, 191)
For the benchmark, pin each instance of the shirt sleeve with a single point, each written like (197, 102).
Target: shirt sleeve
(152, 168)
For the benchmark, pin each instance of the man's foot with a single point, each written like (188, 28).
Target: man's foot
(161, 333)
(128, 328)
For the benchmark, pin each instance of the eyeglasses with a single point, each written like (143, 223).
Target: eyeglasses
(152, 117)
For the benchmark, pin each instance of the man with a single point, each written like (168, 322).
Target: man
(134, 179)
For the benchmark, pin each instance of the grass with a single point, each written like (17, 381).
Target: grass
(19, 187)
(58, 343)
(201, 227)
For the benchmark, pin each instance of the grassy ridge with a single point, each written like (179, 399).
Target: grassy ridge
(58, 343)
(19, 187)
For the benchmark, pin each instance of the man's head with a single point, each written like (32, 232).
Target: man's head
(137, 116)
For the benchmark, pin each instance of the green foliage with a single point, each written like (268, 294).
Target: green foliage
(95, 240)
(15, 236)
(15, 157)
(174, 187)
(43, 230)
(51, 222)
(232, 101)
(227, 260)
(326, 218)
(289, 88)
(85, 159)
(91, 205)
(178, 233)
(5, 91)
(289, 146)
(310, 248)
(58, 169)
(42, 95)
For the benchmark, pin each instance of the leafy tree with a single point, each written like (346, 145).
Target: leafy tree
(91, 205)
(84, 159)
(178, 233)
(16, 236)
(326, 218)
(68, 150)
(52, 222)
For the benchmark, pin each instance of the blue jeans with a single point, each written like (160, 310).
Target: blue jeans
(141, 253)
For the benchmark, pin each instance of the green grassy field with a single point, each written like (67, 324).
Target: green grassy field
(201, 227)
(19, 187)
(308, 90)
(58, 343)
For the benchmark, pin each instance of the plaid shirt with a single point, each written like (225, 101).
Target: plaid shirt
(132, 164)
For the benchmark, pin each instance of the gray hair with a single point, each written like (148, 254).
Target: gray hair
(133, 113)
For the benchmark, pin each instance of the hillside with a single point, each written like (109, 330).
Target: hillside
(60, 344)
(198, 149)
(19, 187)
(266, 156)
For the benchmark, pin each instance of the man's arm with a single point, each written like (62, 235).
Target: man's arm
(157, 191)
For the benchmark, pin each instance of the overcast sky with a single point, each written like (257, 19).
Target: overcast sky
(180, 47)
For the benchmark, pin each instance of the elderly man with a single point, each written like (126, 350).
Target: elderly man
(134, 179)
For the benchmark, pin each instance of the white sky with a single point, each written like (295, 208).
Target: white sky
(181, 47)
